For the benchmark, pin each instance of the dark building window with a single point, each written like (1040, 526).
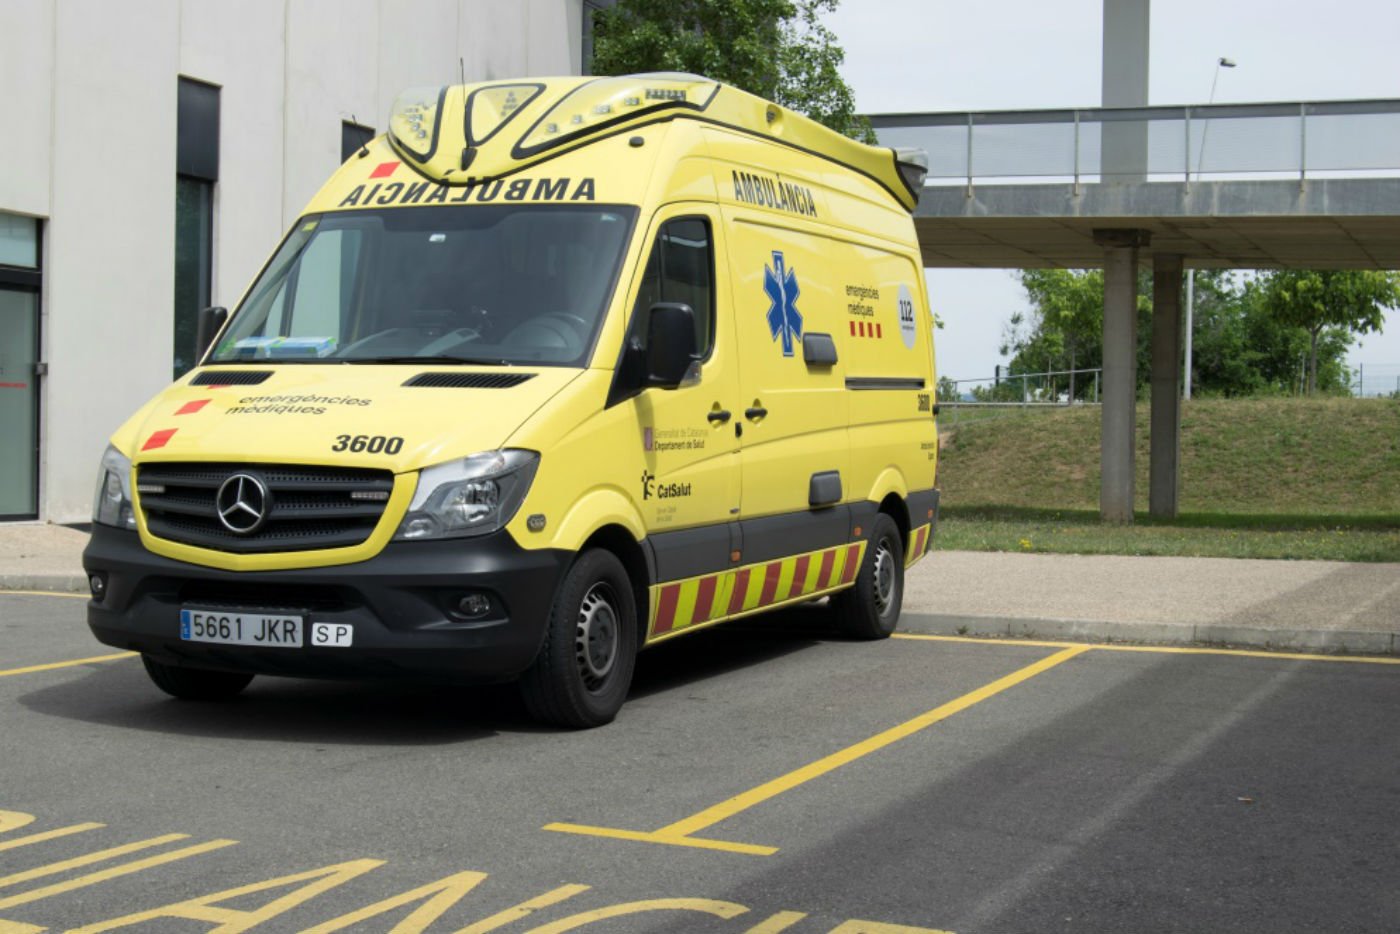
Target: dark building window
(197, 169)
(20, 369)
(352, 137)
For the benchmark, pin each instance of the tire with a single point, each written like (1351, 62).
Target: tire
(870, 608)
(584, 668)
(194, 683)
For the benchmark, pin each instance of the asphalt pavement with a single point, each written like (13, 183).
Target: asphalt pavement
(763, 777)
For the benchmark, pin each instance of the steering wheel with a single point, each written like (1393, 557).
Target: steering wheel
(556, 330)
(574, 320)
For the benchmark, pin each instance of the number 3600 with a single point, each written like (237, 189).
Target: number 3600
(367, 444)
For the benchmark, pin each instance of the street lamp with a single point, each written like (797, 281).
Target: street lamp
(1220, 63)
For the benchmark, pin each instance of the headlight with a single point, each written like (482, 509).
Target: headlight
(111, 505)
(471, 496)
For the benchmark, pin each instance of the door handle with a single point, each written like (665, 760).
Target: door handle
(755, 412)
(718, 415)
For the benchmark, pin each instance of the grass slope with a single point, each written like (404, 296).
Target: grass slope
(1279, 478)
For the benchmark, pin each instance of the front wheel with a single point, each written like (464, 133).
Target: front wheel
(581, 675)
(870, 608)
(194, 683)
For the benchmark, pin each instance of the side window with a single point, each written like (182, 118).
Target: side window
(681, 269)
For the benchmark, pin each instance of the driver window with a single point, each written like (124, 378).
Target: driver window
(681, 269)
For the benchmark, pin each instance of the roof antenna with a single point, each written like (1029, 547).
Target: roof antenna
(467, 154)
(364, 148)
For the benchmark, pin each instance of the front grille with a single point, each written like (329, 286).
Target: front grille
(308, 507)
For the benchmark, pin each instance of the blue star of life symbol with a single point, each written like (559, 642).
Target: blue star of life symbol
(784, 320)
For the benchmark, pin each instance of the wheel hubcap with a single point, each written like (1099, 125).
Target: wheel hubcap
(885, 581)
(596, 637)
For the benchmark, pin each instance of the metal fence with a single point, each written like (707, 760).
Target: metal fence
(1159, 143)
(1016, 393)
(1376, 380)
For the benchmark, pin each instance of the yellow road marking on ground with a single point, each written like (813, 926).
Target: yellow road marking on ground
(43, 593)
(679, 833)
(46, 835)
(1164, 649)
(125, 869)
(88, 859)
(70, 664)
(643, 836)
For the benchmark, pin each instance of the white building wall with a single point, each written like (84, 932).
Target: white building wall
(110, 244)
(91, 88)
(26, 67)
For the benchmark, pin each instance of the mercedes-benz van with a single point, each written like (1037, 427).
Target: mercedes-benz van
(553, 371)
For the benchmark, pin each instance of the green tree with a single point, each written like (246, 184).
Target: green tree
(1241, 346)
(777, 49)
(1242, 349)
(1064, 330)
(1352, 301)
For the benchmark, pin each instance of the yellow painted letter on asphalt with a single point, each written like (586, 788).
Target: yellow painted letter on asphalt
(523, 910)
(707, 906)
(778, 922)
(235, 920)
(444, 894)
(112, 872)
(879, 927)
(46, 834)
(14, 820)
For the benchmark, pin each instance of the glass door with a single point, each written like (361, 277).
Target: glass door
(19, 403)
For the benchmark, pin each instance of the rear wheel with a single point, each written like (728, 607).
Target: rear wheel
(583, 671)
(870, 609)
(194, 683)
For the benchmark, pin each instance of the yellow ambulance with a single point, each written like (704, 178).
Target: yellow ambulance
(553, 371)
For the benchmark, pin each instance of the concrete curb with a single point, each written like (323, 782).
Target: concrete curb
(1339, 641)
(58, 583)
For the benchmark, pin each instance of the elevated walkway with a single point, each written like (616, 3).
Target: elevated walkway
(1309, 185)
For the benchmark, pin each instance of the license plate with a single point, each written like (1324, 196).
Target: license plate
(234, 628)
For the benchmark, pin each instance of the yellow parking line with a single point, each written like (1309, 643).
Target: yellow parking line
(656, 836)
(43, 593)
(70, 664)
(680, 832)
(1164, 649)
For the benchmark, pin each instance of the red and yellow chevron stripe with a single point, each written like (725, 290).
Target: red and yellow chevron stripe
(918, 544)
(683, 605)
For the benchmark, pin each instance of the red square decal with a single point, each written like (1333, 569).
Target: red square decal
(159, 440)
(384, 170)
(189, 408)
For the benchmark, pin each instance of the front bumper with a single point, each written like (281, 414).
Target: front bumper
(400, 603)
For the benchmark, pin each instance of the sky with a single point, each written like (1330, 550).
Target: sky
(941, 55)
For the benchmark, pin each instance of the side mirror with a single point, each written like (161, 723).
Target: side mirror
(210, 322)
(671, 346)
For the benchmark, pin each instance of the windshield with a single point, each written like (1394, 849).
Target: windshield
(490, 284)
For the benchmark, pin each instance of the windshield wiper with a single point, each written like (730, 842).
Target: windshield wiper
(440, 359)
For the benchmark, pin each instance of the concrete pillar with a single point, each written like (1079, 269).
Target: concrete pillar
(1116, 452)
(1166, 385)
(1127, 31)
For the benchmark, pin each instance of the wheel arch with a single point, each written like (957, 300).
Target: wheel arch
(618, 540)
(892, 493)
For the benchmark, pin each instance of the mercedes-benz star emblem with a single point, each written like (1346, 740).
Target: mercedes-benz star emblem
(243, 503)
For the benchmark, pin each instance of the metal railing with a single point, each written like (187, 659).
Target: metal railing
(1302, 139)
(1376, 380)
(1017, 392)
